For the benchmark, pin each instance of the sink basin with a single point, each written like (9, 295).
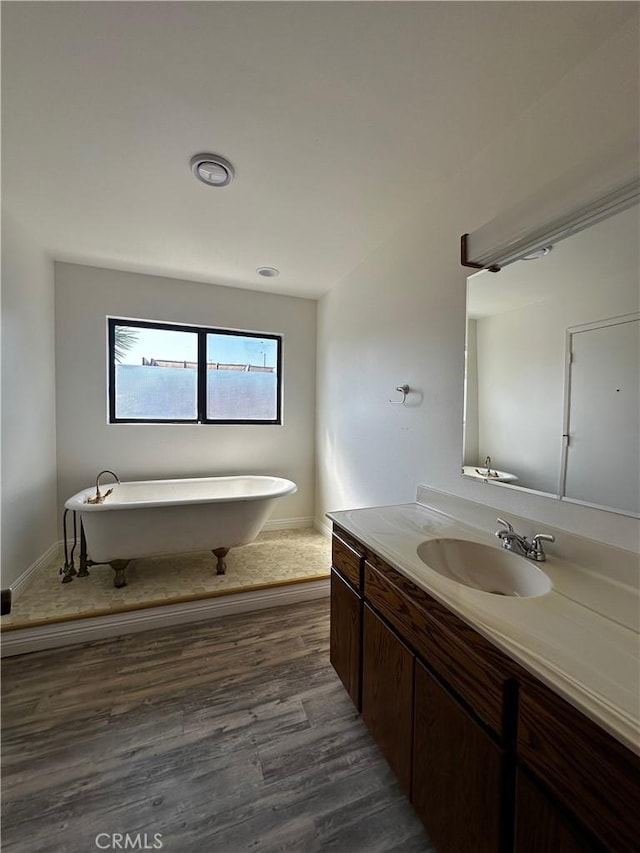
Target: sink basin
(489, 474)
(482, 567)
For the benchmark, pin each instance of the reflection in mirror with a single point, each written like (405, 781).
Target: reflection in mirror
(553, 370)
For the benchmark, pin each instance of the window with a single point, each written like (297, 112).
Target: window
(165, 373)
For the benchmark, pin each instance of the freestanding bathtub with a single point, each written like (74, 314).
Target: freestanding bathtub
(150, 517)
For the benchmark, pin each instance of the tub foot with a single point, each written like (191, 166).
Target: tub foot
(84, 570)
(118, 567)
(220, 553)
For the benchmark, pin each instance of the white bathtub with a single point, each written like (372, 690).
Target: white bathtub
(150, 517)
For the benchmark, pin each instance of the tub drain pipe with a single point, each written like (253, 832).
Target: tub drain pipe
(68, 570)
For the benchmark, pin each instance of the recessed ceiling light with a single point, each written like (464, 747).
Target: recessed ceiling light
(212, 169)
(268, 272)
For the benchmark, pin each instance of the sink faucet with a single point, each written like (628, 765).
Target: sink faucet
(99, 498)
(488, 473)
(531, 549)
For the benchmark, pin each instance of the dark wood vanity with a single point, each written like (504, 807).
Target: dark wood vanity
(492, 760)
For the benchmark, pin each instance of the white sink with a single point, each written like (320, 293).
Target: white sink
(479, 566)
(489, 474)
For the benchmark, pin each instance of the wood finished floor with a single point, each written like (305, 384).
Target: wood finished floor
(232, 736)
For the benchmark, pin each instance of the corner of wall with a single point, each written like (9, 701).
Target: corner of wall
(28, 423)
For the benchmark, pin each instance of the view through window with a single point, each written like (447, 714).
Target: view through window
(164, 373)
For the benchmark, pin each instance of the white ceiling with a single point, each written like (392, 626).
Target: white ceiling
(338, 117)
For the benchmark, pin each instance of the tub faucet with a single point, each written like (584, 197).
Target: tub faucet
(531, 549)
(100, 498)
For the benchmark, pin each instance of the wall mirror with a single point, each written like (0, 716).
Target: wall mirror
(553, 369)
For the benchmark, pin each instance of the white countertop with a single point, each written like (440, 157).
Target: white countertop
(581, 638)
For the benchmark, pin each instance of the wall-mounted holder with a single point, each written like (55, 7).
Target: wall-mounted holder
(404, 390)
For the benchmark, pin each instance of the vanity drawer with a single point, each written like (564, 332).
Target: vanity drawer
(589, 771)
(347, 560)
(464, 660)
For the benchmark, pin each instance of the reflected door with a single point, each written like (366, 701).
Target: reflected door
(602, 463)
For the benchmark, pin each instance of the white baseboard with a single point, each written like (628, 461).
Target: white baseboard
(22, 582)
(288, 523)
(57, 634)
(322, 527)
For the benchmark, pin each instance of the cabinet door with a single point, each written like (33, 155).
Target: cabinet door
(387, 695)
(582, 766)
(457, 773)
(540, 825)
(345, 636)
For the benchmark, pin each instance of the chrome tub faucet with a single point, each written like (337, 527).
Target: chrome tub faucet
(531, 549)
(99, 497)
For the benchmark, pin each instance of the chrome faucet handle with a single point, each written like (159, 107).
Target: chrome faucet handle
(543, 537)
(536, 551)
(508, 528)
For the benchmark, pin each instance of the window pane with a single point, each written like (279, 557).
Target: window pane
(156, 374)
(242, 379)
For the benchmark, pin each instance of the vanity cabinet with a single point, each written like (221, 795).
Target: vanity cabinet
(493, 760)
(345, 642)
(387, 694)
(457, 772)
(543, 826)
(588, 773)
(347, 558)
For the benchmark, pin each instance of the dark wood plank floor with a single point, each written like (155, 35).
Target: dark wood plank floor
(233, 736)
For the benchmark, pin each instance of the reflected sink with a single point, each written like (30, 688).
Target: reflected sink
(485, 568)
(489, 474)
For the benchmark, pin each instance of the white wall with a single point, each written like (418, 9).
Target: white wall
(85, 296)
(400, 316)
(29, 522)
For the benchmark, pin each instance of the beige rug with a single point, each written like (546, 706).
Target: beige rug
(275, 558)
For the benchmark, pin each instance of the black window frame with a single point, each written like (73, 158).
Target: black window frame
(201, 332)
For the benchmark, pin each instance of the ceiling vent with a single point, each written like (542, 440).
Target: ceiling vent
(212, 169)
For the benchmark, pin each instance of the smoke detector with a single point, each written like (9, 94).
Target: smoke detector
(212, 169)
